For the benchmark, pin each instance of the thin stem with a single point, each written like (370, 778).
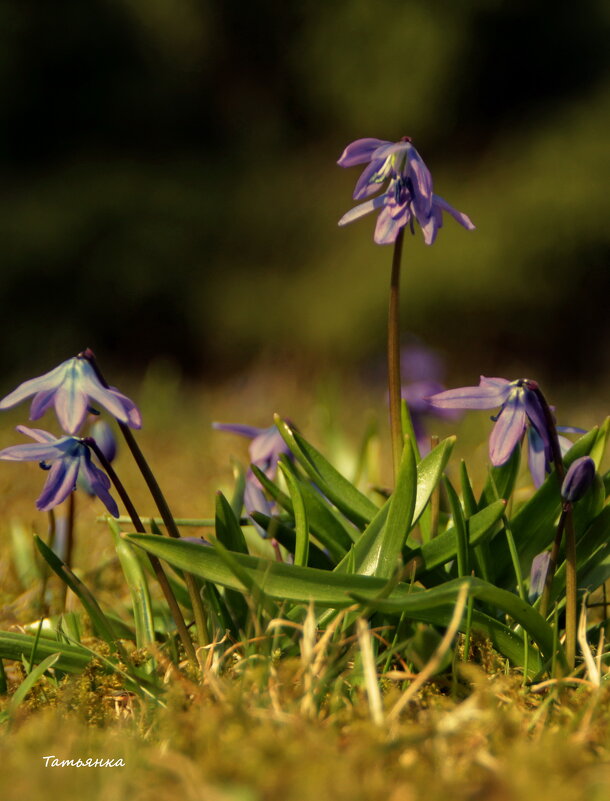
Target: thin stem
(394, 382)
(154, 561)
(162, 506)
(571, 589)
(571, 581)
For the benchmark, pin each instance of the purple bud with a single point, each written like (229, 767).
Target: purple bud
(104, 436)
(578, 479)
(538, 573)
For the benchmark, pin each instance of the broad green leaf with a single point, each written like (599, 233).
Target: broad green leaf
(429, 471)
(443, 548)
(354, 505)
(599, 446)
(520, 611)
(228, 530)
(337, 590)
(237, 501)
(72, 658)
(380, 558)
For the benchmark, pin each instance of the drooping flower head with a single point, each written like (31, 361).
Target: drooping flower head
(408, 195)
(72, 388)
(519, 408)
(65, 458)
(266, 447)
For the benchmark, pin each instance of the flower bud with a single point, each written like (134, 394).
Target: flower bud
(578, 479)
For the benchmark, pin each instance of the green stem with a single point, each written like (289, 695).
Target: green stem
(154, 561)
(394, 382)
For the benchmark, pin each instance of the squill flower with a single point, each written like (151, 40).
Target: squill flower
(64, 458)
(408, 196)
(539, 456)
(105, 440)
(520, 408)
(71, 388)
(538, 573)
(578, 479)
(265, 449)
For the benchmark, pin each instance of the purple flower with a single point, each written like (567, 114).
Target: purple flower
(520, 408)
(578, 479)
(265, 449)
(67, 457)
(408, 196)
(538, 574)
(71, 388)
(539, 455)
(104, 437)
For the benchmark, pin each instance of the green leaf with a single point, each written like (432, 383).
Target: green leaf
(100, 622)
(501, 480)
(429, 471)
(228, 530)
(301, 550)
(463, 560)
(323, 521)
(30, 680)
(337, 590)
(354, 505)
(443, 548)
(138, 588)
(381, 555)
(286, 536)
(72, 658)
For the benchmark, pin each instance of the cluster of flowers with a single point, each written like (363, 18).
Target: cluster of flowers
(408, 195)
(72, 388)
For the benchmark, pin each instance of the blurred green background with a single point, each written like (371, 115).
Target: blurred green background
(169, 187)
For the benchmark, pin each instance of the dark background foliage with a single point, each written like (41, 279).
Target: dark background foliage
(169, 186)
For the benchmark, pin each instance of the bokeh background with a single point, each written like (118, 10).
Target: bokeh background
(169, 189)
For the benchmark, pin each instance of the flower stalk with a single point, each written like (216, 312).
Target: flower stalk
(154, 561)
(394, 379)
(162, 506)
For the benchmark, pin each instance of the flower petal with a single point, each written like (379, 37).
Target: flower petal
(508, 430)
(387, 227)
(481, 397)
(362, 209)
(371, 179)
(35, 385)
(360, 151)
(99, 483)
(60, 483)
(536, 456)
(237, 428)
(462, 218)
(41, 403)
(71, 406)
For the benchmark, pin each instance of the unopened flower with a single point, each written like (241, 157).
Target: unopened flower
(71, 388)
(265, 449)
(519, 407)
(538, 574)
(408, 195)
(64, 458)
(578, 479)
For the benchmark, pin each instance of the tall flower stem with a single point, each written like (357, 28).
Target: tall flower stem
(164, 510)
(566, 522)
(154, 561)
(394, 381)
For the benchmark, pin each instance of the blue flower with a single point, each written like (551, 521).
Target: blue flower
(71, 388)
(539, 454)
(265, 449)
(408, 196)
(65, 458)
(104, 437)
(520, 408)
(538, 573)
